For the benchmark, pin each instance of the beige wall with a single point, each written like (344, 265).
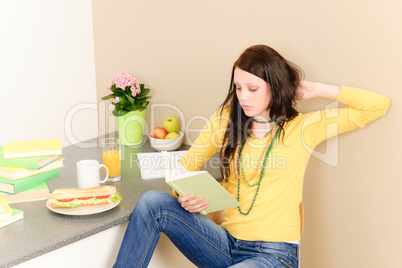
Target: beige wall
(184, 50)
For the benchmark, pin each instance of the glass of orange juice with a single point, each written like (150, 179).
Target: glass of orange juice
(111, 153)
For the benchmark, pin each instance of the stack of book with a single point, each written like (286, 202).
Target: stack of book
(26, 166)
(8, 215)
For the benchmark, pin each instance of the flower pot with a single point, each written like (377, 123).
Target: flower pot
(130, 127)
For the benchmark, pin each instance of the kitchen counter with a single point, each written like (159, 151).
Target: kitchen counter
(42, 230)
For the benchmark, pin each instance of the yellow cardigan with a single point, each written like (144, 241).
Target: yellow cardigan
(275, 214)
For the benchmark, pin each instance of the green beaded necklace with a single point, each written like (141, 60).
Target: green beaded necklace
(262, 122)
(266, 134)
(262, 172)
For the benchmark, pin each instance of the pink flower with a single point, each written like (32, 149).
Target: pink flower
(115, 100)
(124, 80)
(135, 89)
(110, 86)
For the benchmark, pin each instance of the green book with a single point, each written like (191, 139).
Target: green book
(27, 162)
(16, 216)
(38, 192)
(17, 186)
(198, 183)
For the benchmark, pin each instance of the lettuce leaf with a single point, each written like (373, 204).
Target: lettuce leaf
(116, 198)
(71, 205)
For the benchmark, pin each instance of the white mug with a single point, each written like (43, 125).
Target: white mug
(88, 173)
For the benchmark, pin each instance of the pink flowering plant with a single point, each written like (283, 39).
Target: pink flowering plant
(127, 94)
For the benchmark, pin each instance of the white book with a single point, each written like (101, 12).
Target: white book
(151, 164)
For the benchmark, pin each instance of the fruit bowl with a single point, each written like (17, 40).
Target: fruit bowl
(167, 144)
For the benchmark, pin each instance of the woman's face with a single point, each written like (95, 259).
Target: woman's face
(253, 93)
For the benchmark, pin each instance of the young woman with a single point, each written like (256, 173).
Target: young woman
(264, 145)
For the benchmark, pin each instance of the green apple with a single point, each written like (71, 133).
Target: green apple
(172, 135)
(171, 124)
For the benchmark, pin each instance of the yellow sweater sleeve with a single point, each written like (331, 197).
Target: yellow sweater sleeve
(362, 108)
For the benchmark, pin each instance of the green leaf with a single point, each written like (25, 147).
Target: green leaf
(143, 94)
(144, 91)
(130, 99)
(127, 91)
(142, 97)
(114, 89)
(118, 92)
(134, 107)
(111, 96)
(119, 112)
(138, 97)
(124, 101)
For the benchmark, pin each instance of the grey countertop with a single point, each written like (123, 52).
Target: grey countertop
(42, 230)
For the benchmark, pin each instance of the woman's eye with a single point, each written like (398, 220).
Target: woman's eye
(253, 89)
(237, 88)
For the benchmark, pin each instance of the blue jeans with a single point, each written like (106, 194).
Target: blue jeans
(203, 242)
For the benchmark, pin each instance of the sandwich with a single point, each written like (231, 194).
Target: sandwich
(75, 197)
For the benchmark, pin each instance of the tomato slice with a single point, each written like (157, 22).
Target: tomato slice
(65, 200)
(103, 197)
(84, 198)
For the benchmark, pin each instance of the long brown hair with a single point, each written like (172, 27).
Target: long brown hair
(281, 75)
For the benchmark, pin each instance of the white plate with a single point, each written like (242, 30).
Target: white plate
(84, 210)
